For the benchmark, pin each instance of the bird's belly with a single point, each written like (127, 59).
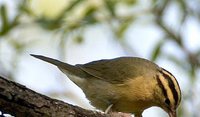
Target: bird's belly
(130, 106)
(102, 94)
(119, 104)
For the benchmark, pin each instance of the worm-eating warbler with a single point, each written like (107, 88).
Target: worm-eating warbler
(125, 84)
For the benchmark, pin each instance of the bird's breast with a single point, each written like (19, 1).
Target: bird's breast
(131, 96)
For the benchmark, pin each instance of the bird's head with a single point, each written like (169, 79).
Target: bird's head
(168, 92)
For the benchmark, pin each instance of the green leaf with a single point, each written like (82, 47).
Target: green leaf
(79, 39)
(183, 9)
(68, 9)
(157, 50)
(130, 2)
(52, 24)
(123, 27)
(4, 19)
(89, 15)
(110, 4)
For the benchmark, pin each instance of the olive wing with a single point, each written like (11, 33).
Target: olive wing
(117, 70)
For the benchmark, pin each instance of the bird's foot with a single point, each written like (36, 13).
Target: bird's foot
(109, 109)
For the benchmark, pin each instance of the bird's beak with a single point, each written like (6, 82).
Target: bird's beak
(172, 114)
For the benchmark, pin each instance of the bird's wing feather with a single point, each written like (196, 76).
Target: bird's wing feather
(117, 70)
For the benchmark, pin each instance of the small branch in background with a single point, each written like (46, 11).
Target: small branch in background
(175, 36)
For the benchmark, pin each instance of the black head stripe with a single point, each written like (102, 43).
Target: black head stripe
(161, 86)
(171, 85)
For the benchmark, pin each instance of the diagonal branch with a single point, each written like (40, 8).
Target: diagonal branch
(20, 101)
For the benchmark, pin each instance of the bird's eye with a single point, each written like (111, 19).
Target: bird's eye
(167, 101)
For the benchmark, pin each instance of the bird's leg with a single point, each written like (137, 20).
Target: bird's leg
(116, 114)
(109, 109)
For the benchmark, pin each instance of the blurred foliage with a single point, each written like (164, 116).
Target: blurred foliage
(72, 20)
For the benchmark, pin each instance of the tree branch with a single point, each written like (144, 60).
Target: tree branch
(19, 101)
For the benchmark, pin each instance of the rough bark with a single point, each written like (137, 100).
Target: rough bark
(19, 101)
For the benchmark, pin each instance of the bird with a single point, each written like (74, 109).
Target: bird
(124, 84)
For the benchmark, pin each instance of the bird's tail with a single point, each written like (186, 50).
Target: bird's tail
(64, 67)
